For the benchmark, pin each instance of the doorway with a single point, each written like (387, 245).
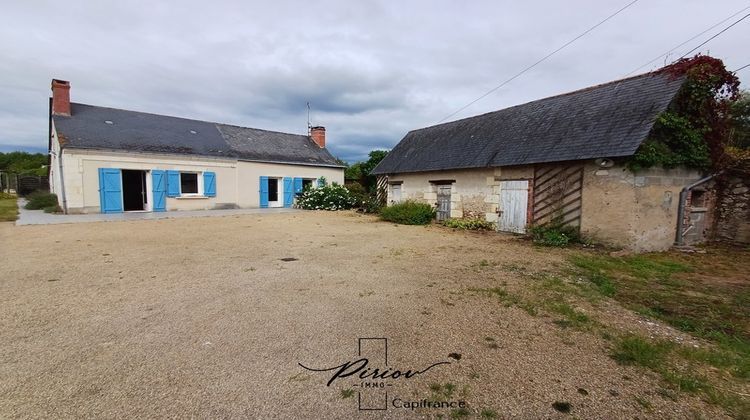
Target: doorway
(514, 200)
(134, 190)
(274, 193)
(443, 202)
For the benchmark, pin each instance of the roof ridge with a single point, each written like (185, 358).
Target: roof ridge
(184, 118)
(262, 129)
(559, 95)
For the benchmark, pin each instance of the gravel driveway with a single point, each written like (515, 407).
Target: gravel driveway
(203, 318)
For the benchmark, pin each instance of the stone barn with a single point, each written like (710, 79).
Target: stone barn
(562, 158)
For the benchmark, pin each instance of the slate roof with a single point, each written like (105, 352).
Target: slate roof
(94, 127)
(608, 120)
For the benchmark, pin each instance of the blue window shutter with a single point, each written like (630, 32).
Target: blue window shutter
(173, 183)
(288, 192)
(264, 191)
(209, 184)
(297, 185)
(159, 189)
(110, 190)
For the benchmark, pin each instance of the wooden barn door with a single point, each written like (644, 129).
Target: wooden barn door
(514, 204)
(443, 202)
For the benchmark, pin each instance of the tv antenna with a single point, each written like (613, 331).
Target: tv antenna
(309, 126)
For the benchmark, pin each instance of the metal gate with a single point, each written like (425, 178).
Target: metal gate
(514, 204)
(443, 202)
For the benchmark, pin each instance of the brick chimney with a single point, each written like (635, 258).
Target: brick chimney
(60, 97)
(318, 135)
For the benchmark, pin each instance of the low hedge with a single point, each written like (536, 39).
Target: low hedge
(39, 200)
(470, 224)
(408, 213)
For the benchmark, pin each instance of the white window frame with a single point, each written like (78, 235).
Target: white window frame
(201, 192)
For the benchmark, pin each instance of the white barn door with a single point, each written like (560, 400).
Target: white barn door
(514, 203)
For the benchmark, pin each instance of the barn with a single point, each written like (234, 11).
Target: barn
(562, 158)
(112, 160)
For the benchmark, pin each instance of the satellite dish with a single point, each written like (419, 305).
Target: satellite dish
(604, 163)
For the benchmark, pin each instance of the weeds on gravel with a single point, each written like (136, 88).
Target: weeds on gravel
(488, 413)
(634, 350)
(507, 298)
(460, 413)
(664, 358)
(699, 294)
(347, 393)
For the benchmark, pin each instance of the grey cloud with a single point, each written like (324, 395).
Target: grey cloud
(371, 70)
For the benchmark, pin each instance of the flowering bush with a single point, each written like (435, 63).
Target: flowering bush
(329, 197)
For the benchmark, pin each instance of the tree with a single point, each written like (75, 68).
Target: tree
(365, 168)
(23, 163)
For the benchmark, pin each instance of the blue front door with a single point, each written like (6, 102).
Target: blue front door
(159, 181)
(110, 190)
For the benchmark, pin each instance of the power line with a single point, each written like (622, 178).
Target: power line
(691, 39)
(717, 34)
(743, 67)
(538, 62)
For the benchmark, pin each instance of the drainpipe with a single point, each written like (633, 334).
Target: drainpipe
(678, 240)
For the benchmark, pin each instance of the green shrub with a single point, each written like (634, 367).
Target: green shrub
(554, 235)
(469, 224)
(39, 200)
(364, 202)
(329, 197)
(53, 209)
(6, 196)
(408, 213)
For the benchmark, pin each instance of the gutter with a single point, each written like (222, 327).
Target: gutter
(679, 240)
(59, 161)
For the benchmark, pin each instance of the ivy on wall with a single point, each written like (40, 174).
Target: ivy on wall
(694, 131)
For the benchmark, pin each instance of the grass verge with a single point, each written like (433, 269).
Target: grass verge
(8, 208)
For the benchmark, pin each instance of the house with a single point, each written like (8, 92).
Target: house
(112, 160)
(562, 159)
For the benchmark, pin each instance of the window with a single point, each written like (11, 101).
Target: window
(396, 193)
(307, 184)
(188, 183)
(697, 198)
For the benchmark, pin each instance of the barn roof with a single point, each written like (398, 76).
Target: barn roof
(94, 127)
(608, 120)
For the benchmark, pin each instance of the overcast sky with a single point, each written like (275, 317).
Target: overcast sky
(371, 70)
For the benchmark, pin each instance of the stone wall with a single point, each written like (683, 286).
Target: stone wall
(636, 211)
(732, 222)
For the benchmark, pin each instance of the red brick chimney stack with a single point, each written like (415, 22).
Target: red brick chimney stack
(60, 97)
(318, 135)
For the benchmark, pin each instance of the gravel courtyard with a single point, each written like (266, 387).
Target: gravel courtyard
(202, 318)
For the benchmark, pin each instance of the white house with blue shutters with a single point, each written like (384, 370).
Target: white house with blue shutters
(111, 160)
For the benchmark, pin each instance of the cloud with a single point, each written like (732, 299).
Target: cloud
(372, 71)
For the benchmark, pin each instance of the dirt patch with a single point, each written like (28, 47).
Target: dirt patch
(202, 318)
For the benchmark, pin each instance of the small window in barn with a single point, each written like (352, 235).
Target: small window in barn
(396, 193)
(697, 198)
(188, 183)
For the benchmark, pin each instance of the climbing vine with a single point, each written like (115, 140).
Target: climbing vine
(694, 131)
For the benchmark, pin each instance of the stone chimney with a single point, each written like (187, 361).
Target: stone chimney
(318, 135)
(60, 97)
